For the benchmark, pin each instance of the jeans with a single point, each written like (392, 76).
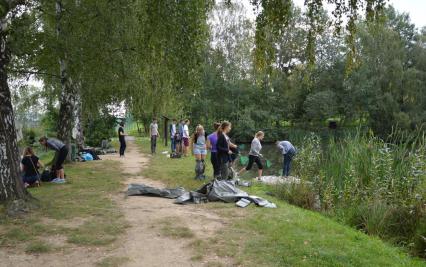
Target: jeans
(30, 179)
(287, 162)
(122, 147)
(173, 144)
(153, 143)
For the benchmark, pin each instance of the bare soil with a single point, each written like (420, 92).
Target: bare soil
(145, 243)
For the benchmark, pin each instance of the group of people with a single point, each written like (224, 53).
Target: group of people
(31, 164)
(222, 151)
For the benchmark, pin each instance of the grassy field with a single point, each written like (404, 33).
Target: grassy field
(81, 211)
(286, 236)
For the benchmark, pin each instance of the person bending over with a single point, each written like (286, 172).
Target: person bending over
(254, 155)
(288, 151)
(60, 156)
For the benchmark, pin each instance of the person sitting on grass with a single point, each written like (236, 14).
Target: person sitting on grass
(288, 151)
(30, 164)
(60, 156)
(254, 155)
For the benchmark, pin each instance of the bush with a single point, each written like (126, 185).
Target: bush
(100, 128)
(365, 182)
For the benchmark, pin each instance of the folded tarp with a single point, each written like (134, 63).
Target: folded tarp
(216, 190)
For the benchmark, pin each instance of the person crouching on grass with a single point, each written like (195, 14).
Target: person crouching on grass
(30, 164)
(254, 155)
(200, 151)
(60, 156)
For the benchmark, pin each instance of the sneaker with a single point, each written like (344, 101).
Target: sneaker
(58, 181)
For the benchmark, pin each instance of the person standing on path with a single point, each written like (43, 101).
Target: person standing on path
(60, 156)
(254, 155)
(173, 134)
(223, 149)
(200, 151)
(153, 129)
(122, 139)
(185, 137)
(288, 152)
(211, 144)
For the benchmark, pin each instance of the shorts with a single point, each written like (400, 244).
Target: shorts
(253, 159)
(186, 141)
(200, 150)
(60, 158)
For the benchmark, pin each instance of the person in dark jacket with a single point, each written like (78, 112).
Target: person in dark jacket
(223, 149)
(122, 139)
(30, 164)
(60, 156)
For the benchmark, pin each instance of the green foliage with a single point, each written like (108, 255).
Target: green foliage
(367, 183)
(99, 128)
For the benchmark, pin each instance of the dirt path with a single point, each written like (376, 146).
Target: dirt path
(161, 232)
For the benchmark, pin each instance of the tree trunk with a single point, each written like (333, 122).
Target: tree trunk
(67, 99)
(11, 187)
(79, 138)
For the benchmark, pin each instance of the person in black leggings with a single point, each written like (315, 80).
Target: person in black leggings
(254, 155)
(122, 139)
(60, 156)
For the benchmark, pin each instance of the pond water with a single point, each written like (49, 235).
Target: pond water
(270, 152)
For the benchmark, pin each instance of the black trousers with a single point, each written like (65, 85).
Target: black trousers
(122, 147)
(153, 143)
(215, 163)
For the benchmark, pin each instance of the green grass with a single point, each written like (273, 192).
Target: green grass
(38, 247)
(82, 210)
(286, 236)
(112, 262)
(172, 227)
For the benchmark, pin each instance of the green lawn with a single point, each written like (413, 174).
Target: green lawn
(286, 236)
(82, 211)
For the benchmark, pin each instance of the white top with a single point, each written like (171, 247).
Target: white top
(154, 129)
(185, 131)
(173, 131)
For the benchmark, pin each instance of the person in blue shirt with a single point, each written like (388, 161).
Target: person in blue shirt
(288, 151)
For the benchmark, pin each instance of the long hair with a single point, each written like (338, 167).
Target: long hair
(258, 134)
(216, 126)
(28, 151)
(223, 126)
(199, 130)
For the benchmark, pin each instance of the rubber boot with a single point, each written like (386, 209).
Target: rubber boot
(197, 169)
(202, 169)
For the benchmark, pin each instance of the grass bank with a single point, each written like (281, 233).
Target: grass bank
(81, 212)
(286, 236)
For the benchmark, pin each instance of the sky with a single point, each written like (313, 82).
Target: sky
(415, 8)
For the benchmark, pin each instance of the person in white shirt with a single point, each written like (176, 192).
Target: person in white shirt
(153, 129)
(173, 133)
(186, 137)
(254, 155)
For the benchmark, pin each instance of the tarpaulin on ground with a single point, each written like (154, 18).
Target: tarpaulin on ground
(145, 190)
(216, 190)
